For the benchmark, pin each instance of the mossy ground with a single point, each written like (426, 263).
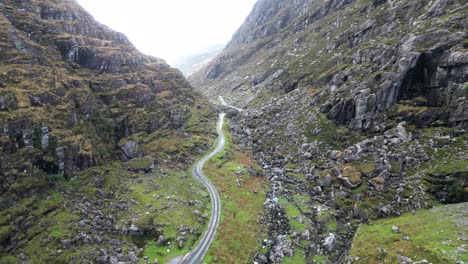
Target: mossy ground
(434, 235)
(157, 199)
(242, 197)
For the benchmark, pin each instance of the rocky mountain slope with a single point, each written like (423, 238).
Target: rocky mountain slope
(76, 95)
(357, 110)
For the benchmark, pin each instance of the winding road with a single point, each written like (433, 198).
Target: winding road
(230, 106)
(198, 253)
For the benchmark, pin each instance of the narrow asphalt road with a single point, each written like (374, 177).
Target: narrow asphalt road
(230, 106)
(197, 254)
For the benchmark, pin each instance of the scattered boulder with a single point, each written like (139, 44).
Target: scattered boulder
(162, 240)
(141, 165)
(129, 150)
(403, 259)
(329, 243)
(132, 257)
(135, 230)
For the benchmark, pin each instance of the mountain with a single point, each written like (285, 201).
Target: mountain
(356, 109)
(91, 131)
(193, 63)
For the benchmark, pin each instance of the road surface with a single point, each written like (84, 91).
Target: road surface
(230, 106)
(197, 254)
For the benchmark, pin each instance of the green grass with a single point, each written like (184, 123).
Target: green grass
(163, 254)
(297, 258)
(320, 259)
(239, 233)
(164, 207)
(433, 234)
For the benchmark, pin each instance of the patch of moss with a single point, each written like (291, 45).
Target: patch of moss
(140, 163)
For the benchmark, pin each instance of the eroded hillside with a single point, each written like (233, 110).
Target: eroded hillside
(357, 110)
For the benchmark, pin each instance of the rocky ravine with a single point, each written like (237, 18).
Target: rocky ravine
(357, 110)
(74, 95)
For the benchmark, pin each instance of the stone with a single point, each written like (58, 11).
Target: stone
(385, 211)
(45, 137)
(162, 240)
(396, 229)
(306, 235)
(132, 257)
(135, 230)
(329, 243)
(102, 259)
(129, 149)
(66, 243)
(317, 190)
(403, 259)
(382, 252)
(402, 134)
(35, 100)
(88, 239)
(3, 105)
(113, 260)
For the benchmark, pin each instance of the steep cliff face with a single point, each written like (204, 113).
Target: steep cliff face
(75, 94)
(59, 64)
(356, 108)
(392, 51)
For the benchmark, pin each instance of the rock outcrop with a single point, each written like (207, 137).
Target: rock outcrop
(59, 64)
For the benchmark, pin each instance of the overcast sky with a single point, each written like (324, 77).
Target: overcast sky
(172, 29)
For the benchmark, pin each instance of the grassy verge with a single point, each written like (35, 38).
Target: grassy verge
(242, 197)
(435, 235)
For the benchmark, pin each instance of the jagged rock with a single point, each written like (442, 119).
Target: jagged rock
(35, 100)
(129, 149)
(403, 259)
(135, 230)
(261, 259)
(325, 182)
(102, 259)
(162, 240)
(382, 252)
(113, 260)
(132, 257)
(402, 134)
(66, 243)
(317, 190)
(45, 137)
(329, 242)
